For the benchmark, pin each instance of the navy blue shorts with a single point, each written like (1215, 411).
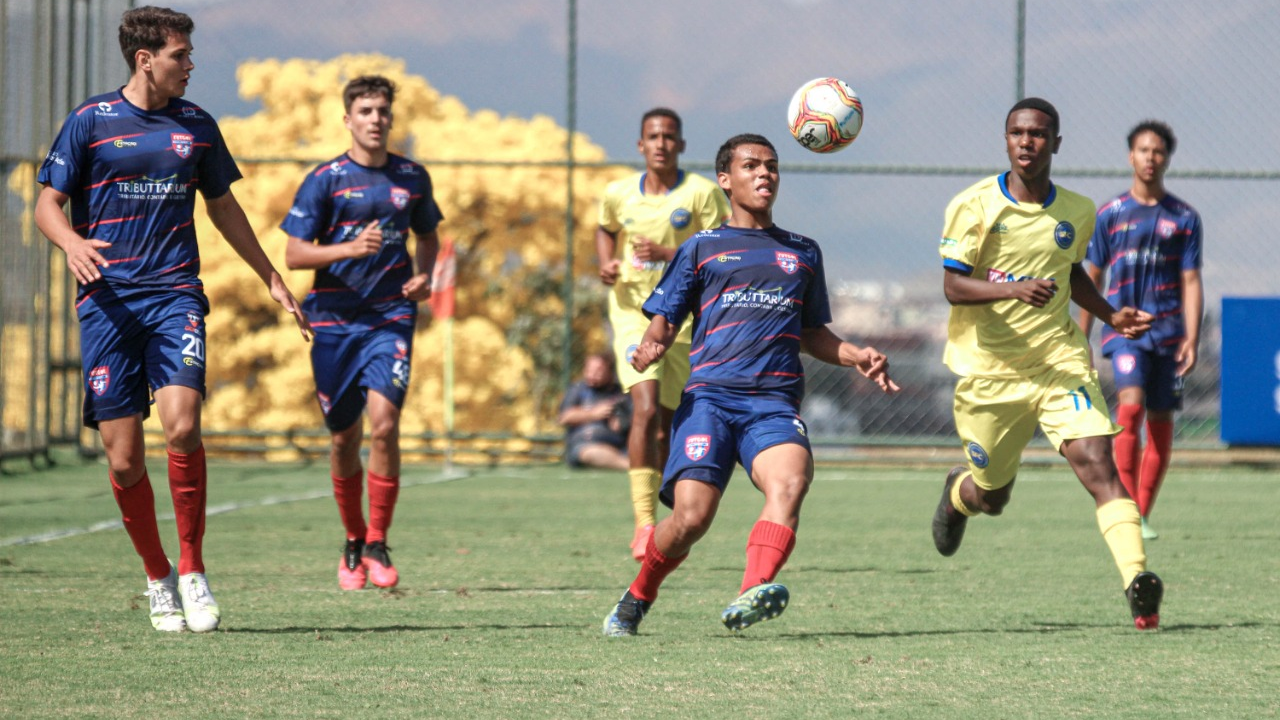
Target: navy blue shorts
(1156, 374)
(348, 366)
(712, 431)
(128, 350)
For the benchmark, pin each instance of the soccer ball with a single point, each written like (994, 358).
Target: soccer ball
(825, 115)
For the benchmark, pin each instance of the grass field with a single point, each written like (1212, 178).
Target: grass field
(507, 574)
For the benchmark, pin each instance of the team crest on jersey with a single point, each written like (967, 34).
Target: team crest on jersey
(99, 379)
(696, 446)
(181, 144)
(680, 218)
(400, 198)
(1125, 364)
(789, 262)
(1166, 228)
(1064, 234)
(977, 455)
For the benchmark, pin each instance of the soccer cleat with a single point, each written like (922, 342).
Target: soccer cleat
(626, 616)
(351, 572)
(377, 561)
(1148, 532)
(757, 604)
(166, 608)
(198, 605)
(1144, 595)
(640, 542)
(948, 523)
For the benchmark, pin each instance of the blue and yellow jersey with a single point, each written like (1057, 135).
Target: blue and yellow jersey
(989, 235)
(693, 205)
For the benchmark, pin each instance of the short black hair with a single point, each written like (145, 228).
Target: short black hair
(662, 112)
(724, 158)
(149, 28)
(1035, 103)
(367, 86)
(1159, 128)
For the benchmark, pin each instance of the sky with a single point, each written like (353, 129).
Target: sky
(936, 80)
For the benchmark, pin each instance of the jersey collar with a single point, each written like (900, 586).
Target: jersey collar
(679, 180)
(1004, 188)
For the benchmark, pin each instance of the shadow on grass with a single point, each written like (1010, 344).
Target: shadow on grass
(1041, 630)
(320, 631)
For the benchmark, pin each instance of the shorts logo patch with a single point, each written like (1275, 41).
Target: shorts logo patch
(696, 446)
(1125, 364)
(977, 455)
(1064, 234)
(326, 404)
(789, 262)
(100, 379)
(800, 428)
(402, 349)
(631, 352)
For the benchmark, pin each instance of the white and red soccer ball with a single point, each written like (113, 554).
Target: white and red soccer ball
(825, 115)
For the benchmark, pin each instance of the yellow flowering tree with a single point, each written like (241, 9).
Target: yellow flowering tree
(506, 217)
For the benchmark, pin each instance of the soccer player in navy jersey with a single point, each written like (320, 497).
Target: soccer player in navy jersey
(758, 297)
(351, 222)
(130, 162)
(1147, 243)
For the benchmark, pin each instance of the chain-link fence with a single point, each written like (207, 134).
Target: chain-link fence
(936, 80)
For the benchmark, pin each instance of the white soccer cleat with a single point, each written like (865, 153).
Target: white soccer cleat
(198, 605)
(166, 608)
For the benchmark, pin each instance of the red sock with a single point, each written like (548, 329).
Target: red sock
(655, 568)
(768, 547)
(138, 511)
(382, 504)
(1128, 445)
(187, 484)
(349, 493)
(1155, 461)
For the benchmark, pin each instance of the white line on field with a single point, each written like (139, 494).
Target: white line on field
(448, 475)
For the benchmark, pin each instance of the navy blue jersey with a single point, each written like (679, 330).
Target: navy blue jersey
(1144, 250)
(131, 175)
(336, 201)
(750, 292)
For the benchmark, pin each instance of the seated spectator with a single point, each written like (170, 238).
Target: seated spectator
(595, 413)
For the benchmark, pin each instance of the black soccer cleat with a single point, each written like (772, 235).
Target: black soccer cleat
(1144, 595)
(626, 616)
(949, 523)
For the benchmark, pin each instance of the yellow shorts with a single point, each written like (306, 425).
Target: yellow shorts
(996, 418)
(671, 372)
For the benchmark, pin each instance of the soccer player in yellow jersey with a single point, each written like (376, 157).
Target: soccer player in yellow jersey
(643, 219)
(1010, 243)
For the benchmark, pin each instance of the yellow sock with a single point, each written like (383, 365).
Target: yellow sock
(644, 494)
(956, 502)
(1121, 527)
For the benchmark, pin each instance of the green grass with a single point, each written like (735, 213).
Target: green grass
(507, 574)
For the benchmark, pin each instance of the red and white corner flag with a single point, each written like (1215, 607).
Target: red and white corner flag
(444, 281)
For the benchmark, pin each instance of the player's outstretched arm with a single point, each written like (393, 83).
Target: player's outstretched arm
(826, 346)
(300, 254)
(229, 218)
(961, 289)
(1129, 322)
(658, 337)
(83, 258)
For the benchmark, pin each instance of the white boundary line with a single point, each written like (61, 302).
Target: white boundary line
(448, 475)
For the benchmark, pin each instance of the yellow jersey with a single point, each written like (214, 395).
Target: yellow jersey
(989, 235)
(693, 205)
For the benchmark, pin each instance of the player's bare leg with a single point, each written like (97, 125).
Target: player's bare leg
(1120, 523)
(384, 487)
(646, 453)
(347, 474)
(783, 473)
(122, 440)
(179, 409)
